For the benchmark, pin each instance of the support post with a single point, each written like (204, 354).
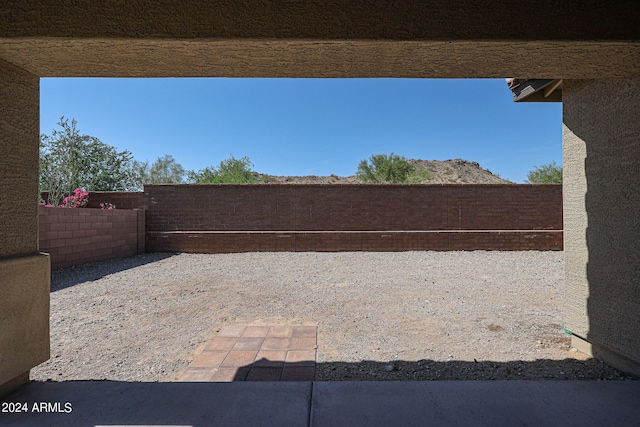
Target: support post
(601, 191)
(24, 273)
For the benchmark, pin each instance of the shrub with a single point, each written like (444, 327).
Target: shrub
(384, 168)
(392, 169)
(545, 174)
(229, 171)
(78, 199)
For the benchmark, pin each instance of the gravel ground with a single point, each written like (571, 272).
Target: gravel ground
(380, 316)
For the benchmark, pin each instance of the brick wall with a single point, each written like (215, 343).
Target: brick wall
(122, 200)
(78, 236)
(336, 241)
(276, 217)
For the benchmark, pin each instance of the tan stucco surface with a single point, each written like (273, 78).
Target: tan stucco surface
(601, 156)
(324, 19)
(24, 314)
(64, 57)
(331, 38)
(19, 136)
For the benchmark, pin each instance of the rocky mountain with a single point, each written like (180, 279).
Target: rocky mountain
(456, 171)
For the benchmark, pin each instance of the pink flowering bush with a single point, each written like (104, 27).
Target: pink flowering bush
(107, 206)
(78, 199)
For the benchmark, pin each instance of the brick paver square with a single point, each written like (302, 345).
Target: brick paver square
(264, 374)
(197, 374)
(295, 373)
(248, 343)
(275, 344)
(239, 358)
(256, 331)
(304, 332)
(271, 358)
(221, 343)
(231, 331)
(231, 374)
(280, 332)
(302, 344)
(301, 358)
(209, 359)
(256, 353)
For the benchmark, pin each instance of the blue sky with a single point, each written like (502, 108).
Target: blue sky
(310, 126)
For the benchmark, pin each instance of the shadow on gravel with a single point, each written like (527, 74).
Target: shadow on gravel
(71, 276)
(430, 370)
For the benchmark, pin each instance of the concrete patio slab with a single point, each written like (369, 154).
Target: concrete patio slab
(476, 403)
(94, 403)
(319, 404)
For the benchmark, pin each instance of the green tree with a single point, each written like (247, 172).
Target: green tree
(165, 170)
(70, 160)
(229, 171)
(546, 174)
(385, 168)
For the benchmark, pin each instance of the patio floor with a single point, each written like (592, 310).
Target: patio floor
(319, 404)
(256, 353)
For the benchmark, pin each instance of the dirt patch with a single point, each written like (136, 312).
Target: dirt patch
(380, 316)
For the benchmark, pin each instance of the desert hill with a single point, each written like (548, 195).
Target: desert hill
(456, 171)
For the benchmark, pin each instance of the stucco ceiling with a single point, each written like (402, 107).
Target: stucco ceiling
(328, 38)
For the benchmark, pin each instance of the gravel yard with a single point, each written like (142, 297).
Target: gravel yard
(380, 316)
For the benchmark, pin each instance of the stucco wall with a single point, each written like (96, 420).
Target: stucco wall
(601, 149)
(19, 137)
(24, 315)
(24, 275)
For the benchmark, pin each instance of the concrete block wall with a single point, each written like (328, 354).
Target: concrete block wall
(239, 218)
(121, 199)
(78, 236)
(336, 241)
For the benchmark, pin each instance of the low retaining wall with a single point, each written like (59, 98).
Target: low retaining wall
(82, 235)
(337, 241)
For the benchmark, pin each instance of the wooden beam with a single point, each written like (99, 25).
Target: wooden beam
(553, 86)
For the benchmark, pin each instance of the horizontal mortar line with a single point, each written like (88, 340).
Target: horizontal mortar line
(350, 231)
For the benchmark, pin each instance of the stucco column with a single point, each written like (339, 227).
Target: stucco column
(24, 273)
(601, 151)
